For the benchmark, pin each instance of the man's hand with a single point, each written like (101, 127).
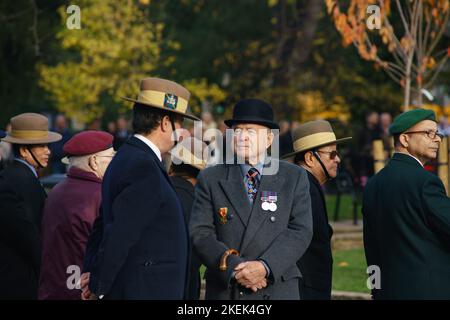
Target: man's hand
(251, 274)
(84, 284)
(258, 286)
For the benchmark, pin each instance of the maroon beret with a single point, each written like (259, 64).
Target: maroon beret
(88, 142)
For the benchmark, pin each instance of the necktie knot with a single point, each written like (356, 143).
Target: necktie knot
(253, 172)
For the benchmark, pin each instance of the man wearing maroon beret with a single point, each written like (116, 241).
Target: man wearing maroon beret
(69, 214)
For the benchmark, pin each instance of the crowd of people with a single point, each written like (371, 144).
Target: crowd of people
(129, 222)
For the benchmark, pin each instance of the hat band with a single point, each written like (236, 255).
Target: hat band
(187, 157)
(29, 134)
(163, 100)
(313, 140)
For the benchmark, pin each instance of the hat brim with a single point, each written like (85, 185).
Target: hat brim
(196, 166)
(52, 137)
(184, 115)
(269, 124)
(316, 146)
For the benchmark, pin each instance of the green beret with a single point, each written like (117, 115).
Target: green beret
(409, 118)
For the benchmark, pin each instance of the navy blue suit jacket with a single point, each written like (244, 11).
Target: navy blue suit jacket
(144, 243)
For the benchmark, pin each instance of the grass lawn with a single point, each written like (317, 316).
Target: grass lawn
(349, 270)
(345, 208)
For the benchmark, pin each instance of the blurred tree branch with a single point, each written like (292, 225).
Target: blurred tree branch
(416, 63)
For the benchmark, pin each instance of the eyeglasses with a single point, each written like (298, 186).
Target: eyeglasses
(106, 156)
(333, 154)
(430, 133)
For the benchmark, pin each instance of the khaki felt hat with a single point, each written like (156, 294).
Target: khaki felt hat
(165, 95)
(31, 128)
(191, 154)
(312, 135)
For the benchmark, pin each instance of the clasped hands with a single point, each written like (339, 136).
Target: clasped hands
(251, 275)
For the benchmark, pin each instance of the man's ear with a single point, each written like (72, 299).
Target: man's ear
(24, 152)
(309, 159)
(270, 137)
(93, 163)
(165, 123)
(404, 140)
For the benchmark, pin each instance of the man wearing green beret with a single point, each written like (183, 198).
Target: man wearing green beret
(407, 216)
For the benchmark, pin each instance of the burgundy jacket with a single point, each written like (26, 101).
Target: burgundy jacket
(70, 211)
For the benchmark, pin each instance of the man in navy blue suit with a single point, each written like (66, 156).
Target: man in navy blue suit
(139, 246)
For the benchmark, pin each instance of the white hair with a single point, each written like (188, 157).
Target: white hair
(81, 162)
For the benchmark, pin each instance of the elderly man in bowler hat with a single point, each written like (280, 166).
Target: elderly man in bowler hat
(70, 211)
(139, 249)
(406, 216)
(315, 150)
(250, 227)
(22, 201)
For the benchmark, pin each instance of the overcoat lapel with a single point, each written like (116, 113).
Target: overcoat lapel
(258, 215)
(141, 145)
(234, 189)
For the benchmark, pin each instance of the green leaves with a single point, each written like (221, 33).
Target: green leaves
(116, 48)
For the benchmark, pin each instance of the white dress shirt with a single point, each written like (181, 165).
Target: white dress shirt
(150, 144)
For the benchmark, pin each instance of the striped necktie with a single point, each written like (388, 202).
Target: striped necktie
(252, 183)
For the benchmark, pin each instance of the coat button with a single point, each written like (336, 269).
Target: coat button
(148, 263)
(272, 219)
(241, 294)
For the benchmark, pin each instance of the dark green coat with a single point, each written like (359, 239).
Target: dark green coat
(407, 231)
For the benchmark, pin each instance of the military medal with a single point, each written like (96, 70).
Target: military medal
(273, 206)
(223, 215)
(269, 199)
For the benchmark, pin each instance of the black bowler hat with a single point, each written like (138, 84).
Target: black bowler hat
(253, 111)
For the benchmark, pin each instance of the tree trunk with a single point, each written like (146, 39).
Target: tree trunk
(407, 99)
(419, 96)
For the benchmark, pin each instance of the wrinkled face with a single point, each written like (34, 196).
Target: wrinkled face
(251, 140)
(418, 142)
(102, 160)
(330, 159)
(41, 152)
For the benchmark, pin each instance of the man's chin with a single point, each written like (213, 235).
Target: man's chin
(242, 154)
(333, 174)
(433, 155)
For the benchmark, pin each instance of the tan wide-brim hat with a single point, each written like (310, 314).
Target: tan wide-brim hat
(165, 95)
(31, 128)
(182, 153)
(312, 135)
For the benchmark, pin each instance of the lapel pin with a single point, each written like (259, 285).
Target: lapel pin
(223, 215)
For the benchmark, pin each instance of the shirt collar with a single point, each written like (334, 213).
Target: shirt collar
(150, 144)
(421, 164)
(28, 165)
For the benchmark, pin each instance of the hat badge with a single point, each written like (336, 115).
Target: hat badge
(170, 101)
